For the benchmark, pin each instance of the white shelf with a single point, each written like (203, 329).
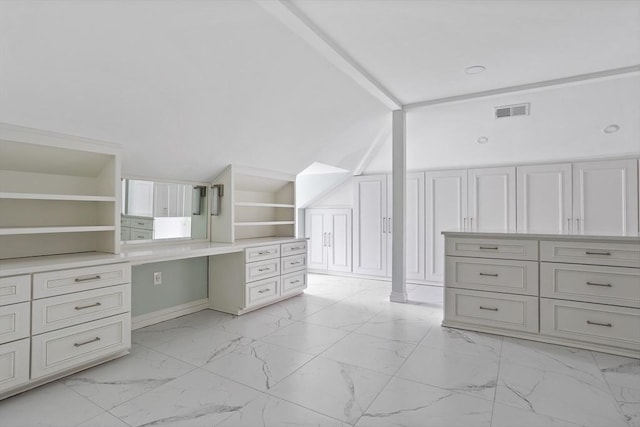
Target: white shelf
(264, 205)
(65, 197)
(243, 224)
(14, 231)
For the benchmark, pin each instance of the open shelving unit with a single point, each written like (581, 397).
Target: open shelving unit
(256, 203)
(58, 194)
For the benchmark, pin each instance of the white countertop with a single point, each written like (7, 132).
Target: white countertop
(136, 255)
(542, 236)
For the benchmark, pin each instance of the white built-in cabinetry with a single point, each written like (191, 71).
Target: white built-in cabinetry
(255, 203)
(492, 199)
(329, 234)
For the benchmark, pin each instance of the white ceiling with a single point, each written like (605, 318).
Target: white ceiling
(190, 86)
(418, 49)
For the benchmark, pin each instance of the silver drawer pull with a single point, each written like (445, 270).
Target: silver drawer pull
(607, 285)
(140, 237)
(264, 269)
(294, 281)
(86, 279)
(296, 248)
(489, 308)
(264, 253)
(493, 248)
(489, 274)
(80, 344)
(82, 307)
(140, 223)
(597, 253)
(608, 325)
(264, 290)
(294, 263)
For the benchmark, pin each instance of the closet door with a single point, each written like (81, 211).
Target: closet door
(338, 224)
(544, 199)
(317, 244)
(492, 199)
(605, 197)
(370, 223)
(446, 209)
(415, 238)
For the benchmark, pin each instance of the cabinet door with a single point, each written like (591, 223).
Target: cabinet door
(605, 197)
(317, 235)
(415, 253)
(370, 225)
(338, 223)
(140, 198)
(161, 199)
(544, 198)
(446, 200)
(492, 199)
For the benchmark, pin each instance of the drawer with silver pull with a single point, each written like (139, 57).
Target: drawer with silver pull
(262, 291)
(294, 263)
(594, 253)
(79, 279)
(15, 289)
(591, 283)
(515, 277)
(145, 224)
(514, 312)
(69, 347)
(293, 248)
(72, 309)
(294, 282)
(14, 322)
(261, 253)
(595, 323)
(262, 269)
(140, 234)
(492, 248)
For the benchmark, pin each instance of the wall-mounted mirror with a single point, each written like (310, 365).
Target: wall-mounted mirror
(154, 210)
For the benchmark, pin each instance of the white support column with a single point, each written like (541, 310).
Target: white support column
(399, 180)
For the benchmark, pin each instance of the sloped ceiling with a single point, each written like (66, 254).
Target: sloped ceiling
(186, 87)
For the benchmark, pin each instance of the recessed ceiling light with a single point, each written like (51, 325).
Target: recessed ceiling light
(475, 69)
(483, 140)
(611, 129)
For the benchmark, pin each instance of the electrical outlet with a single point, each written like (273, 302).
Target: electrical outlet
(157, 278)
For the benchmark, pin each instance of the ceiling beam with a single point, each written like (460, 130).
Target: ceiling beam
(529, 87)
(296, 21)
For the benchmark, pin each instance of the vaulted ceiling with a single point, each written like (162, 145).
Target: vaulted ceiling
(189, 86)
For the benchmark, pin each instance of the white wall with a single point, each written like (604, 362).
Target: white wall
(340, 197)
(565, 123)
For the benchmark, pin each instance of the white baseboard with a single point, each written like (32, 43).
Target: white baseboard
(168, 313)
(380, 278)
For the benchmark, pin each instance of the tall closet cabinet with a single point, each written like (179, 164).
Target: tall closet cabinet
(329, 233)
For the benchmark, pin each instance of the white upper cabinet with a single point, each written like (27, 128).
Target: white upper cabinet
(492, 199)
(446, 197)
(371, 222)
(544, 198)
(605, 197)
(315, 232)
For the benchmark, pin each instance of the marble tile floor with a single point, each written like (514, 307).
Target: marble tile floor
(339, 355)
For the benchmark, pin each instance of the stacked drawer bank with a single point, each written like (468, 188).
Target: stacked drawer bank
(581, 291)
(57, 322)
(257, 276)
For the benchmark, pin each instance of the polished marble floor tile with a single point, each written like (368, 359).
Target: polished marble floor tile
(305, 337)
(397, 327)
(295, 308)
(378, 354)
(254, 325)
(618, 370)
(104, 420)
(345, 316)
(258, 365)
(407, 403)
(628, 400)
(336, 389)
(508, 416)
(460, 341)
(196, 399)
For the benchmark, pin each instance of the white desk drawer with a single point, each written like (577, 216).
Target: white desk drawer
(514, 312)
(15, 289)
(591, 283)
(294, 263)
(492, 248)
(140, 234)
(262, 269)
(14, 364)
(294, 282)
(69, 347)
(146, 224)
(14, 322)
(261, 253)
(597, 323)
(262, 291)
(596, 253)
(80, 279)
(293, 248)
(80, 307)
(515, 277)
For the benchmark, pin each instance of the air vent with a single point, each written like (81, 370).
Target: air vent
(512, 110)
